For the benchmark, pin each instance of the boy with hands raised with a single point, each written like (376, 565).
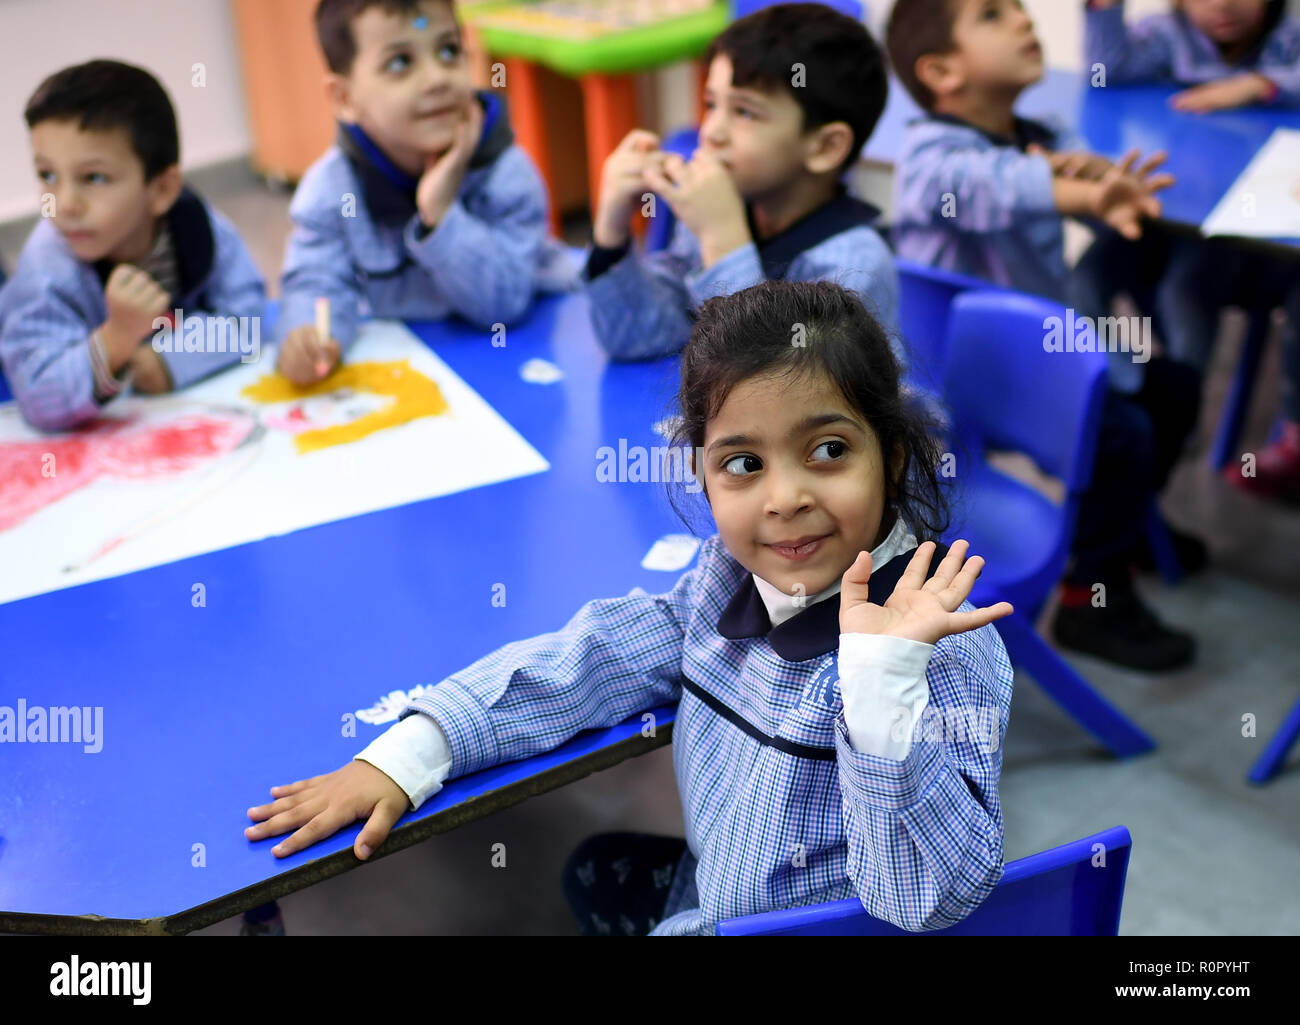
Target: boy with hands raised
(793, 93)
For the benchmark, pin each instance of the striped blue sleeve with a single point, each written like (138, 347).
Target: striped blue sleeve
(925, 834)
(639, 306)
(236, 289)
(44, 345)
(485, 259)
(1280, 62)
(317, 264)
(968, 189)
(1128, 53)
(615, 657)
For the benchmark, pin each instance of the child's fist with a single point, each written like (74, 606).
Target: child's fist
(704, 197)
(622, 183)
(321, 806)
(149, 372)
(304, 358)
(134, 301)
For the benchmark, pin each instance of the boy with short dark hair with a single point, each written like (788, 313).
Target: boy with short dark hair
(424, 207)
(983, 192)
(122, 244)
(793, 93)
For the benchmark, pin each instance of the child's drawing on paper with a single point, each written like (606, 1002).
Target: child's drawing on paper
(352, 403)
(34, 474)
(240, 457)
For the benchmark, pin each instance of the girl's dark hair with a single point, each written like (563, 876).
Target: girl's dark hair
(786, 327)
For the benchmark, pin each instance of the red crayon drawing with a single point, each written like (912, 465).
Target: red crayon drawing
(34, 474)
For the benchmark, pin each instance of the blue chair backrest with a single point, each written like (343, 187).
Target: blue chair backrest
(1007, 392)
(1072, 890)
(853, 8)
(924, 298)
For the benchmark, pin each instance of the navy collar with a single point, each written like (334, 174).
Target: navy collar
(839, 214)
(1027, 132)
(193, 243)
(389, 191)
(816, 630)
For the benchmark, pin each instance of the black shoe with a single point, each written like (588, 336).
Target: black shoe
(1123, 631)
(1190, 551)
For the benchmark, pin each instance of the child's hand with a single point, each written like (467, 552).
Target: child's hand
(321, 806)
(1079, 165)
(622, 183)
(704, 197)
(1225, 94)
(150, 372)
(919, 609)
(1125, 196)
(134, 301)
(304, 359)
(443, 174)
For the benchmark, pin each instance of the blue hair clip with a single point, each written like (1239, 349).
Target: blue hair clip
(421, 22)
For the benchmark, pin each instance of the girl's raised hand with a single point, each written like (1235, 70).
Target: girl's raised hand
(321, 806)
(919, 609)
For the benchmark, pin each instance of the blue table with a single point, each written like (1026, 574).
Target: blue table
(205, 709)
(1207, 152)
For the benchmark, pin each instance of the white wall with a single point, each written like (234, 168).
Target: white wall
(165, 36)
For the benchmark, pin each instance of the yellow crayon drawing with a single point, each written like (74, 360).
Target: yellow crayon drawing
(414, 395)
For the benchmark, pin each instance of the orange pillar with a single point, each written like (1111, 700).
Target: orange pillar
(528, 119)
(610, 110)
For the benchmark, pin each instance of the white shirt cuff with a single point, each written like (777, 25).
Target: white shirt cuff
(882, 682)
(414, 754)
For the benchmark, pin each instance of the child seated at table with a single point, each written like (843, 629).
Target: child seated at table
(983, 192)
(793, 93)
(424, 207)
(818, 673)
(1231, 54)
(1245, 52)
(122, 245)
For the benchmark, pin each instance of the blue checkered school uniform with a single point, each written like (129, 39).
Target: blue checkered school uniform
(358, 239)
(1169, 48)
(642, 306)
(54, 302)
(976, 203)
(780, 809)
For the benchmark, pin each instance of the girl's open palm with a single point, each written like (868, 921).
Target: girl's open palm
(919, 609)
(321, 806)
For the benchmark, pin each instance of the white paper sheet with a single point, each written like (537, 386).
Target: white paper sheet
(262, 489)
(1265, 201)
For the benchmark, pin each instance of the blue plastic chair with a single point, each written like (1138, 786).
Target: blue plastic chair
(925, 297)
(1269, 764)
(853, 8)
(1072, 890)
(1006, 393)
